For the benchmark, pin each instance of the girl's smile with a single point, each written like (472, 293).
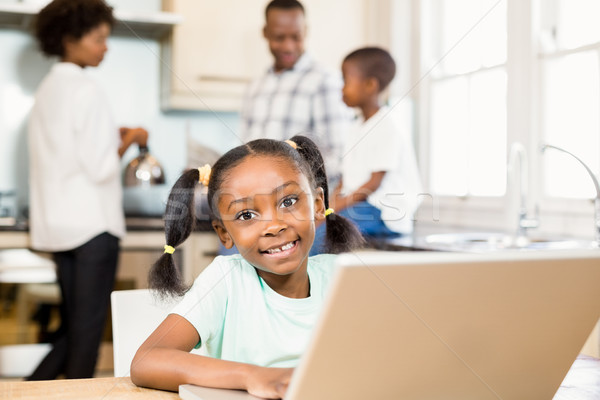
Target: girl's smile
(281, 251)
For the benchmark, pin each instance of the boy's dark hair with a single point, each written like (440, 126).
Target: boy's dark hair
(69, 18)
(285, 5)
(374, 62)
(341, 234)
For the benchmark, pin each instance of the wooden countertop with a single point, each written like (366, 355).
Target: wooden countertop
(581, 383)
(138, 236)
(77, 389)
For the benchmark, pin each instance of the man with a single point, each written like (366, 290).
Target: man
(295, 95)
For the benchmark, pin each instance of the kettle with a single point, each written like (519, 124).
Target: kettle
(144, 170)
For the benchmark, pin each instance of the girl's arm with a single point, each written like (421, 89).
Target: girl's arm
(164, 361)
(359, 194)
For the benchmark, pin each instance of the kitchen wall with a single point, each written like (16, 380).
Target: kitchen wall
(130, 76)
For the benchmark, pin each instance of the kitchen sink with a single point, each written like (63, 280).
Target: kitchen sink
(496, 241)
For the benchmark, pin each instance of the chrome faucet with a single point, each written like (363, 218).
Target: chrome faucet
(596, 185)
(525, 222)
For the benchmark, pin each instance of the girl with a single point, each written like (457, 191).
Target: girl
(252, 312)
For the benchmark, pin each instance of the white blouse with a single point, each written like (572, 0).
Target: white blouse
(75, 182)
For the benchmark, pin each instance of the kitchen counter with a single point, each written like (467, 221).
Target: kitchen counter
(404, 243)
(140, 223)
(133, 224)
(582, 382)
(479, 240)
(141, 246)
(14, 226)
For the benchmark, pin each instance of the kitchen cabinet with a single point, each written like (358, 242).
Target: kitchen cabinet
(152, 25)
(210, 57)
(141, 249)
(199, 250)
(14, 239)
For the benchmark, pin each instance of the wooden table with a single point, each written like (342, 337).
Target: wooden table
(581, 383)
(77, 389)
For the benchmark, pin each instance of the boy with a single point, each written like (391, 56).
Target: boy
(380, 179)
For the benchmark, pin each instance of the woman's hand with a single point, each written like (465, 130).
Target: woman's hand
(135, 135)
(268, 383)
(130, 136)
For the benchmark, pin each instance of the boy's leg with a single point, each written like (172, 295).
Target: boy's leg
(318, 246)
(368, 220)
(222, 251)
(365, 216)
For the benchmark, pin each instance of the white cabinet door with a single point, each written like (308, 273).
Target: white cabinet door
(199, 251)
(335, 28)
(213, 54)
(218, 48)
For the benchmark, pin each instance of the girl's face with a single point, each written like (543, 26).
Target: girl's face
(88, 51)
(268, 210)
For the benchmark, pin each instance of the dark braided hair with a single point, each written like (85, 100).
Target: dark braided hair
(342, 235)
(69, 18)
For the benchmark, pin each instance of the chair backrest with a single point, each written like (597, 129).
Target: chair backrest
(135, 315)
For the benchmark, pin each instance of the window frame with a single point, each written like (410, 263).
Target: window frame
(570, 217)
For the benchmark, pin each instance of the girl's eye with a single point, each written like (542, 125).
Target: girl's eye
(288, 202)
(245, 215)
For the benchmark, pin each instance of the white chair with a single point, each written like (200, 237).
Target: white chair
(135, 315)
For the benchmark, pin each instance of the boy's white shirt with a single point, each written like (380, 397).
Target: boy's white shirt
(380, 144)
(240, 318)
(75, 180)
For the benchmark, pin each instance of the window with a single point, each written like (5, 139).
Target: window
(464, 57)
(569, 54)
(494, 72)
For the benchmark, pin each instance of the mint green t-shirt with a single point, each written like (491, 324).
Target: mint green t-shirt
(240, 318)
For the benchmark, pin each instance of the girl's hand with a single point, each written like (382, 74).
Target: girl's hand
(268, 383)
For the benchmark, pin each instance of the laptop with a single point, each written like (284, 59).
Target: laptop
(433, 325)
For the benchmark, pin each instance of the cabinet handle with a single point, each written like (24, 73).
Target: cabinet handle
(224, 78)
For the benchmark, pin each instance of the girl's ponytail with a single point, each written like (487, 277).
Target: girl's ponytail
(179, 219)
(341, 234)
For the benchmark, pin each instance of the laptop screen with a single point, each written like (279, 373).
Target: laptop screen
(451, 326)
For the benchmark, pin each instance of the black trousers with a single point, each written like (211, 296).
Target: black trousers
(86, 276)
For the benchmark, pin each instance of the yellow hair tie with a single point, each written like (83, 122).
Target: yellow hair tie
(204, 174)
(169, 249)
(291, 143)
(329, 211)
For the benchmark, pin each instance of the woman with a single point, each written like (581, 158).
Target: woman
(75, 201)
